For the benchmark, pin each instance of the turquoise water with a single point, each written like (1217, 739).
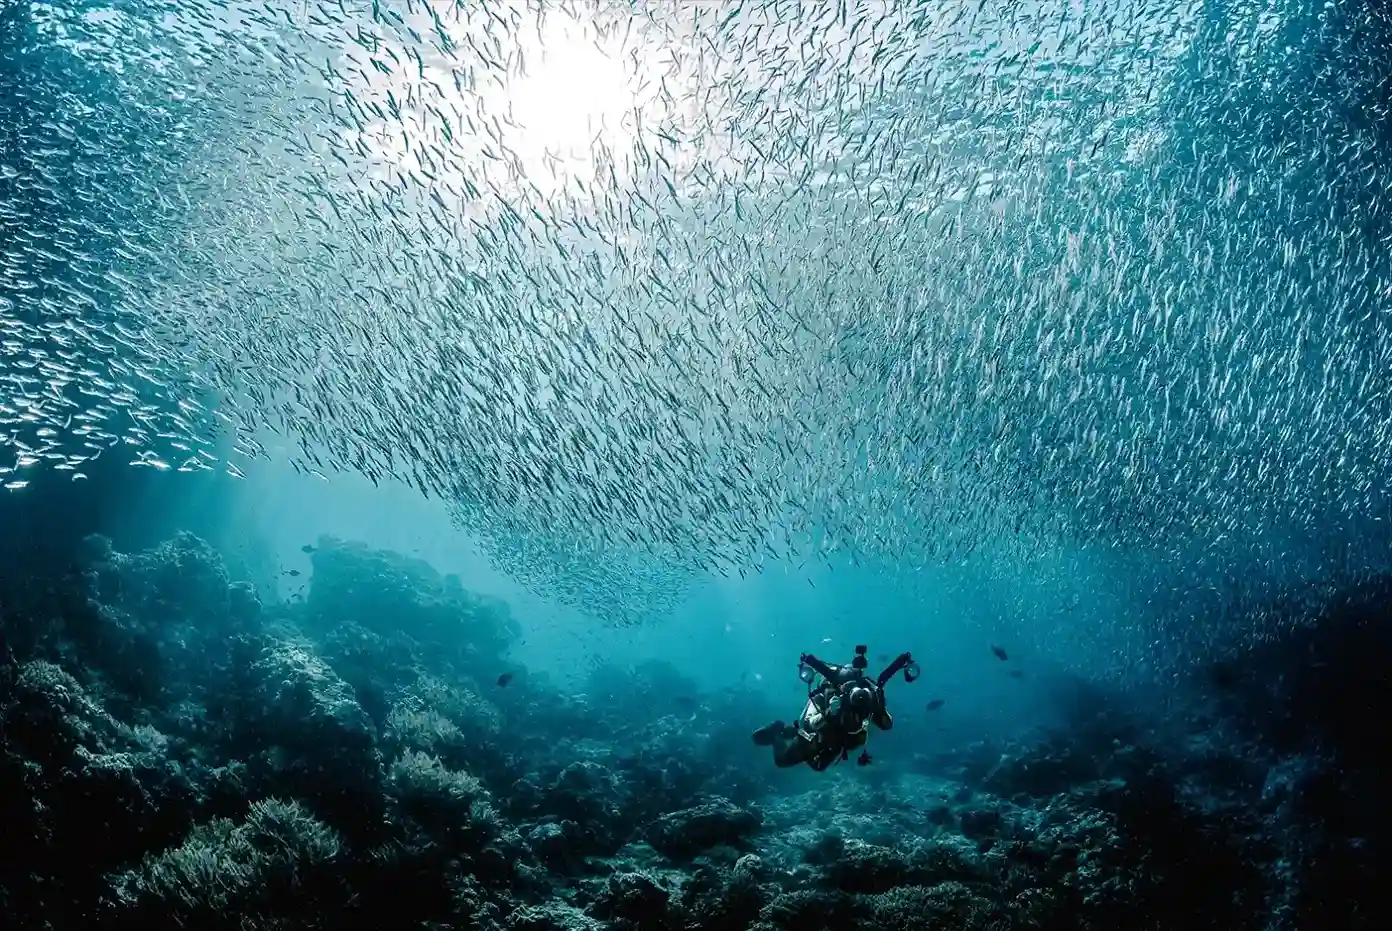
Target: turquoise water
(725, 327)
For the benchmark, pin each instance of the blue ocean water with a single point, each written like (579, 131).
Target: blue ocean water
(434, 434)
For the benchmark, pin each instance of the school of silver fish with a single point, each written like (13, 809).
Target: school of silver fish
(656, 288)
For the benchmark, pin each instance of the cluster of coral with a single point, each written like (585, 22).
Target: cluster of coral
(176, 754)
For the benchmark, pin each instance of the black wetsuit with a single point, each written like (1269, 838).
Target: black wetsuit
(823, 735)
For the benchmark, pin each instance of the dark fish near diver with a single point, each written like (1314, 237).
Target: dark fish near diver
(935, 704)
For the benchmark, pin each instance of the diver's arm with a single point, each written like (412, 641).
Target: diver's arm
(881, 715)
(821, 668)
(900, 661)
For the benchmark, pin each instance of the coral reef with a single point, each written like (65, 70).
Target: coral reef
(175, 754)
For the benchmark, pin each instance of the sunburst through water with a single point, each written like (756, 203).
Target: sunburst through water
(652, 290)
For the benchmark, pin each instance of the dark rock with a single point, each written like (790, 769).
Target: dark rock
(725, 901)
(940, 815)
(558, 844)
(318, 742)
(980, 823)
(1043, 770)
(394, 595)
(632, 899)
(683, 834)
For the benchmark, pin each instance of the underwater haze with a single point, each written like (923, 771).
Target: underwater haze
(433, 434)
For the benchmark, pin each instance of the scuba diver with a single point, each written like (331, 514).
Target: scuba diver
(841, 702)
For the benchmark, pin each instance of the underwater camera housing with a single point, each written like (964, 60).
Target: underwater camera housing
(860, 662)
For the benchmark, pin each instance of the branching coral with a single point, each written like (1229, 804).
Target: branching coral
(278, 862)
(444, 801)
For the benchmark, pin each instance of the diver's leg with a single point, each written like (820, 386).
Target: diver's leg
(766, 735)
(792, 751)
(795, 745)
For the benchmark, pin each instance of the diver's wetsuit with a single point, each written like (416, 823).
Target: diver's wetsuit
(828, 728)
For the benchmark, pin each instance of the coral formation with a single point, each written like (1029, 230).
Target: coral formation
(176, 754)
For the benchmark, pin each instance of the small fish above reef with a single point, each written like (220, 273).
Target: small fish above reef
(504, 679)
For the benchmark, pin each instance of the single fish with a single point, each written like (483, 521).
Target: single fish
(935, 704)
(1000, 653)
(504, 679)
